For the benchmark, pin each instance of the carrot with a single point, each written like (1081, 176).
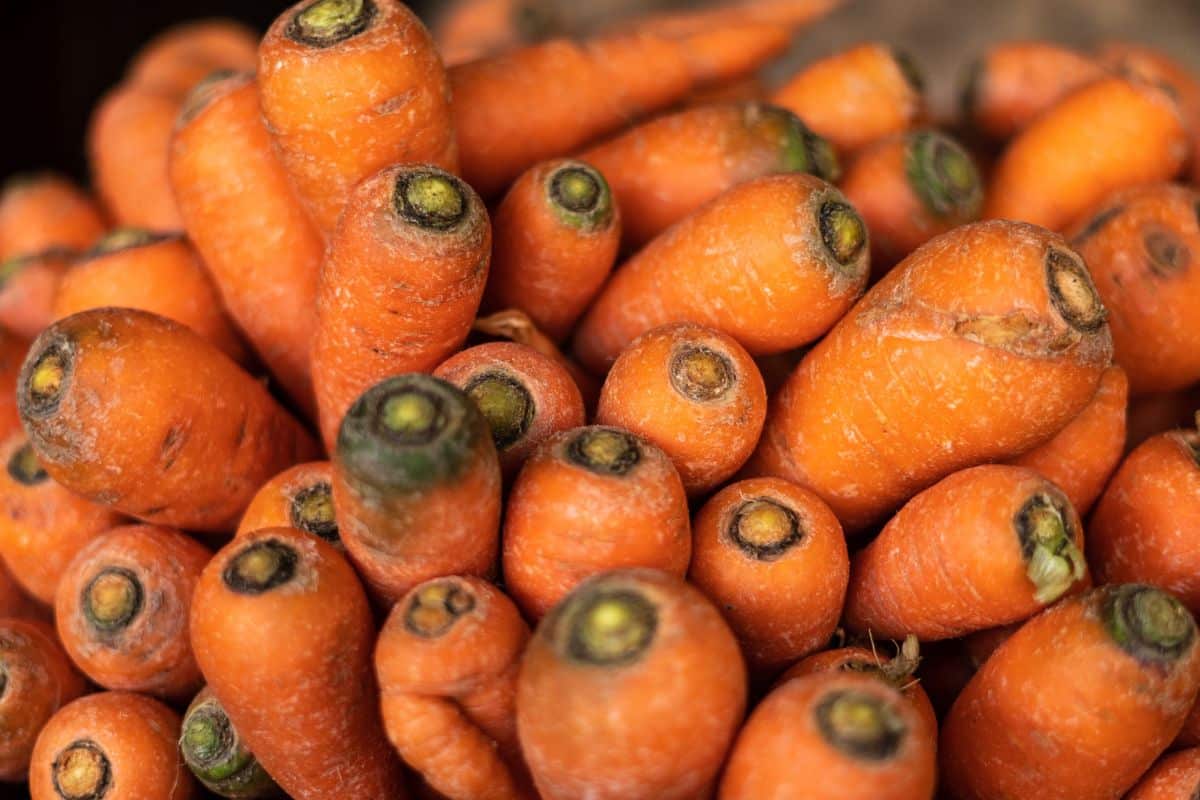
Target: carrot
(556, 238)
(695, 393)
(525, 396)
(416, 485)
(46, 211)
(14, 602)
(1156, 413)
(12, 353)
(632, 688)
(857, 96)
(771, 556)
(42, 524)
(470, 29)
(121, 610)
(1065, 163)
(300, 497)
(910, 187)
(350, 87)
(282, 630)
(664, 169)
(111, 745)
(575, 92)
(792, 14)
(160, 273)
(1107, 676)
(1174, 777)
(216, 754)
(251, 230)
(514, 325)
(1013, 83)
(28, 285)
(447, 661)
(1081, 457)
(181, 56)
(140, 414)
(401, 284)
(773, 263)
(37, 678)
(981, 344)
(589, 500)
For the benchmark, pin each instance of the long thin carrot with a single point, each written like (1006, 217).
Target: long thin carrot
(181, 56)
(28, 287)
(1174, 777)
(217, 756)
(300, 497)
(45, 211)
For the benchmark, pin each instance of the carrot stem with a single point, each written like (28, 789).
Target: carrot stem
(1148, 623)
(764, 529)
(312, 510)
(260, 567)
(609, 627)
(604, 450)
(860, 725)
(580, 197)
(1053, 562)
(842, 231)
(432, 200)
(81, 772)
(944, 176)
(506, 405)
(1072, 292)
(24, 466)
(48, 379)
(701, 373)
(112, 599)
(329, 22)
(435, 607)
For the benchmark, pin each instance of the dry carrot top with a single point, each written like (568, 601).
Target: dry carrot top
(943, 175)
(604, 626)
(580, 197)
(325, 23)
(311, 510)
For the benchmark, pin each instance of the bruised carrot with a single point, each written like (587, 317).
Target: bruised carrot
(216, 755)
(401, 284)
(898, 396)
(350, 87)
(589, 500)
(159, 273)
(599, 676)
(1173, 777)
(416, 485)
(695, 393)
(300, 497)
(525, 396)
(250, 228)
(45, 211)
(664, 169)
(771, 556)
(181, 56)
(514, 325)
(447, 661)
(556, 237)
(140, 414)
(42, 524)
(12, 353)
(282, 631)
(1130, 650)
(111, 745)
(28, 286)
(772, 263)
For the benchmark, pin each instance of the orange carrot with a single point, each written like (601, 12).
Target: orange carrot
(216, 755)
(1174, 777)
(12, 353)
(300, 497)
(514, 325)
(792, 14)
(45, 211)
(180, 57)
(28, 286)
(469, 29)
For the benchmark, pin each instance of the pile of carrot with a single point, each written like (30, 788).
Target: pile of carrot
(554, 407)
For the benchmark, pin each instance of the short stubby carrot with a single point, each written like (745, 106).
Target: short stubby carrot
(772, 557)
(692, 391)
(216, 754)
(909, 188)
(28, 287)
(159, 273)
(1107, 676)
(282, 631)
(632, 688)
(111, 745)
(1174, 777)
(121, 610)
(898, 396)
(447, 662)
(46, 211)
(590, 500)
(416, 485)
(856, 96)
(525, 396)
(181, 56)
(514, 325)
(37, 679)
(252, 231)
(400, 286)
(12, 354)
(984, 547)
(773, 263)
(140, 414)
(42, 524)
(556, 235)
(350, 87)
(1141, 246)
(1064, 163)
(1081, 457)
(666, 168)
(300, 497)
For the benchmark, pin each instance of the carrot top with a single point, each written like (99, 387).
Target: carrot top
(843, 233)
(213, 751)
(580, 196)
(203, 93)
(603, 626)
(81, 771)
(325, 23)
(803, 149)
(311, 510)
(605, 451)
(24, 466)
(863, 726)
(700, 373)
(45, 379)
(435, 607)
(1148, 623)
(1072, 291)
(1053, 562)
(260, 567)
(430, 199)
(944, 175)
(764, 529)
(112, 599)
(506, 405)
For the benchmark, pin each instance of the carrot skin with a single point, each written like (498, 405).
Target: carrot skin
(45, 211)
(28, 288)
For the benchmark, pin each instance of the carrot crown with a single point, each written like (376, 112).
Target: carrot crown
(81, 771)
(843, 232)
(604, 626)
(943, 175)
(1052, 561)
(24, 466)
(261, 566)
(112, 599)
(430, 198)
(861, 725)
(506, 404)
(205, 92)
(801, 149)
(605, 451)
(764, 529)
(700, 373)
(325, 23)
(1147, 623)
(311, 510)
(45, 375)
(216, 755)
(1072, 292)
(580, 197)
(436, 606)
(1168, 255)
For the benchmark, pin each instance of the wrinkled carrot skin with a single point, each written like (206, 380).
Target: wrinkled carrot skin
(516, 326)
(14, 602)
(585, 728)
(1081, 457)
(38, 679)
(565, 521)
(151, 653)
(12, 353)
(1173, 777)
(42, 524)
(781, 605)
(751, 264)
(1006, 731)
(1064, 163)
(291, 665)
(46, 212)
(28, 286)
(781, 751)
(153, 421)
(254, 235)
(977, 294)
(137, 736)
(339, 113)
(164, 277)
(182, 56)
(449, 691)
(274, 504)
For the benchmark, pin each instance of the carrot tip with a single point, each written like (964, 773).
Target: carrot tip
(700, 373)
(81, 771)
(608, 626)
(311, 510)
(44, 378)
(126, 239)
(24, 466)
(764, 530)
(860, 725)
(112, 599)
(842, 231)
(607, 451)
(943, 175)
(260, 567)
(506, 405)
(1148, 623)
(1053, 562)
(580, 196)
(1072, 291)
(436, 606)
(213, 752)
(430, 199)
(325, 23)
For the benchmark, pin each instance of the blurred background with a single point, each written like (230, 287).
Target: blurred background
(59, 56)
